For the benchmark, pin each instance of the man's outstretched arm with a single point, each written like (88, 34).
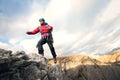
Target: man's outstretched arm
(35, 31)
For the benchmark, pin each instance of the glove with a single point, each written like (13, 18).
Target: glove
(28, 33)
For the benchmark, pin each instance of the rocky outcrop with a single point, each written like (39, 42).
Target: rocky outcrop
(84, 67)
(19, 66)
(92, 69)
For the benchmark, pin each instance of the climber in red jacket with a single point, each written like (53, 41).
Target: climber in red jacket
(46, 37)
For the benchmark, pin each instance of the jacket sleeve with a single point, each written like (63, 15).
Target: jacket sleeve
(35, 31)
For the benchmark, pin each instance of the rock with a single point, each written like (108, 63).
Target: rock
(5, 54)
(55, 72)
(20, 66)
(21, 54)
(84, 67)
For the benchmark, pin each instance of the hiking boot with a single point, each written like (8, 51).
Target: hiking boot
(41, 54)
(55, 60)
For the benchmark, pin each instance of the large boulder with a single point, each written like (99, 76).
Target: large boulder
(20, 66)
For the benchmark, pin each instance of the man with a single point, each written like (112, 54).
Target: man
(46, 37)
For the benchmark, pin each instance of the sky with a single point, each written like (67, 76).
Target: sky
(80, 26)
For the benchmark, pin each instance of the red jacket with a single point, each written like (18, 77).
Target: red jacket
(45, 30)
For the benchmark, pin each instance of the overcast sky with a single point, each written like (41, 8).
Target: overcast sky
(80, 26)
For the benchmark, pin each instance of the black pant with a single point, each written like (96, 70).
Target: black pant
(49, 41)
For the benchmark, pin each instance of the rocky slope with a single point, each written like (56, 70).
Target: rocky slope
(19, 66)
(111, 58)
(84, 67)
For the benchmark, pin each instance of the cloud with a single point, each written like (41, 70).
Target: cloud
(111, 11)
(80, 26)
(4, 45)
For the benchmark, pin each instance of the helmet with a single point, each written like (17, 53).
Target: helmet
(41, 19)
